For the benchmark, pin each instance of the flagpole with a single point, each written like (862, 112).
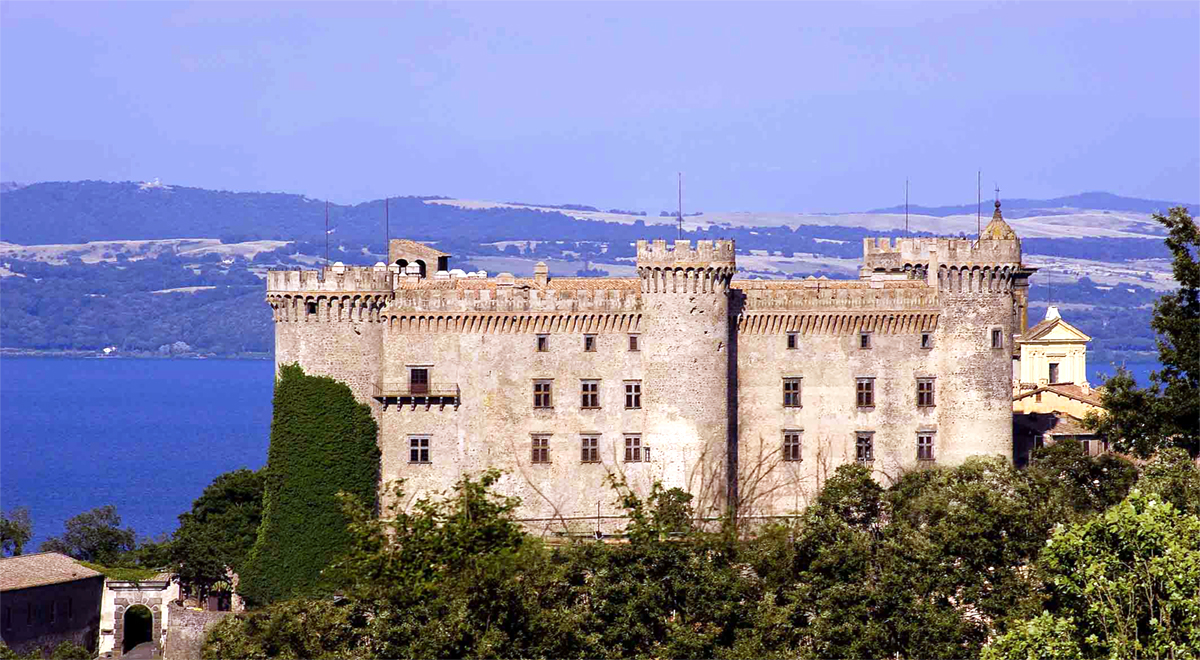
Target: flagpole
(387, 222)
(327, 233)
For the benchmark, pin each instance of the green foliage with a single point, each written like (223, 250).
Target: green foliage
(1122, 585)
(15, 531)
(95, 536)
(1079, 484)
(1174, 477)
(322, 442)
(122, 572)
(1045, 637)
(1143, 420)
(219, 531)
(63, 651)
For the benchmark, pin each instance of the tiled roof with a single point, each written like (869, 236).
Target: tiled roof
(406, 245)
(1069, 390)
(40, 569)
(1052, 423)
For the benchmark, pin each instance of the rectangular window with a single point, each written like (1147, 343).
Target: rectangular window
(543, 343)
(925, 392)
(589, 449)
(540, 449)
(633, 449)
(865, 393)
(70, 608)
(791, 341)
(864, 340)
(542, 394)
(8, 617)
(418, 450)
(589, 343)
(1053, 372)
(791, 392)
(590, 394)
(997, 338)
(310, 308)
(924, 446)
(29, 614)
(864, 446)
(418, 381)
(633, 394)
(633, 343)
(926, 340)
(791, 445)
(53, 609)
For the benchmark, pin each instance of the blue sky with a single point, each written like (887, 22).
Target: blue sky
(765, 107)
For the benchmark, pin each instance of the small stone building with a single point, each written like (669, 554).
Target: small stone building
(135, 612)
(48, 598)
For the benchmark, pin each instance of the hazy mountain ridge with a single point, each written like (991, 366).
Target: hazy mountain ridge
(1020, 208)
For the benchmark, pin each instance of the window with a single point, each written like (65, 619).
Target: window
(29, 614)
(310, 307)
(8, 617)
(589, 449)
(1053, 372)
(633, 343)
(791, 445)
(589, 343)
(925, 392)
(70, 608)
(418, 450)
(864, 340)
(791, 341)
(924, 446)
(590, 394)
(540, 449)
(53, 607)
(542, 394)
(543, 343)
(633, 449)
(791, 392)
(418, 381)
(864, 446)
(926, 340)
(865, 393)
(633, 394)
(997, 338)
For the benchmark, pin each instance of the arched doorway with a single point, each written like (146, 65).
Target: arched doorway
(139, 627)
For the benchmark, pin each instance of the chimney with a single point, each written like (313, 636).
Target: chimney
(541, 274)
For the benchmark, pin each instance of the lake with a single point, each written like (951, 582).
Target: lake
(144, 435)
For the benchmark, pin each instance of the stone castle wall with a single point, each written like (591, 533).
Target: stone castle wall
(712, 357)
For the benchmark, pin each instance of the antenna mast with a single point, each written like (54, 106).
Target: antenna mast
(327, 233)
(978, 202)
(679, 232)
(387, 223)
(906, 206)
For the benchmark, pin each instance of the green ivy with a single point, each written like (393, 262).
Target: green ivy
(322, 442)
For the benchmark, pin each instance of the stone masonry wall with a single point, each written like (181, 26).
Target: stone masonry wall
(185, 639)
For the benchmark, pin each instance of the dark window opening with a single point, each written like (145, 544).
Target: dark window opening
(53, 609)
(542, 394)
(633, 343)
(541, 449)
(418, 381)
(864, 340)
(310, 308)
(1053, 372)
(926, 340)
(791, 392)
(8, 617)
(925, 392)
(924, 446)
(633, 449)
(791, 445)
(791, 341)
(865, 392)
(70, 608)
(543, 343)
(418, 450)
(590, 394)
(997, 338)
(589, 449)
(633, 394)
(864, 447)
(589, 343)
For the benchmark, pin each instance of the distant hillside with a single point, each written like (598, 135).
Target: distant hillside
(1019, 208)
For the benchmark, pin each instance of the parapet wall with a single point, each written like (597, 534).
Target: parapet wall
(339, 279)
(882, 254)
(681, 254)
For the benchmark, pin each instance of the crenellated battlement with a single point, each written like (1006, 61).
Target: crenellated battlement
(331, 279)
(881, 254)
(681, 254)
(821, 294)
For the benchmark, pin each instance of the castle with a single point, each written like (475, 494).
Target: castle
(743, 392)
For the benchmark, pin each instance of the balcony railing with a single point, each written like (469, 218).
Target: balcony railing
(402, 390)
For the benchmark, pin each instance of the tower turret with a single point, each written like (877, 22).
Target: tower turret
(686, 361)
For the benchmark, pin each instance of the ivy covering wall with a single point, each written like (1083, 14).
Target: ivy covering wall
(322, 442)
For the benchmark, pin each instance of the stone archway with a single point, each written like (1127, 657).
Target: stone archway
(138, 627)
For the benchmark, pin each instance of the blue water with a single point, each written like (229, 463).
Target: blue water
(145, 435)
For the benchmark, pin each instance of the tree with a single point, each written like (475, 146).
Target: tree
(1167, 412)
(15, 531)
(94, 536)
(323, 442)
(1123, 585)
(219, 531)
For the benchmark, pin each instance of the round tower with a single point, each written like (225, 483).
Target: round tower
(686, 358)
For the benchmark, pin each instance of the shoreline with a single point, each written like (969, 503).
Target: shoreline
(139, 355)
